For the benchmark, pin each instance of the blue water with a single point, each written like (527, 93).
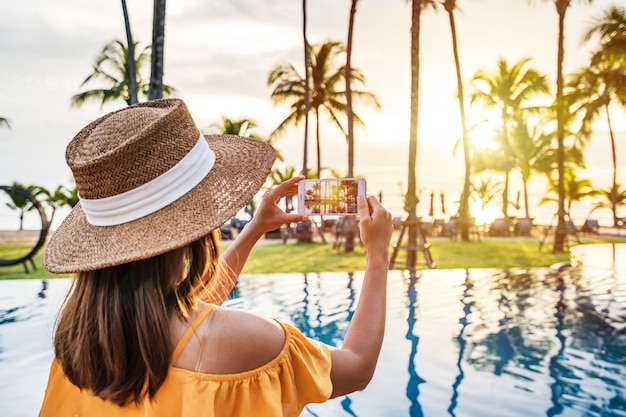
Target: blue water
(476, 342)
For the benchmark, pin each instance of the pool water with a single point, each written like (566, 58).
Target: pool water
(477, 342)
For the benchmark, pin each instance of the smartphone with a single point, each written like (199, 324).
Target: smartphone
(329, 196)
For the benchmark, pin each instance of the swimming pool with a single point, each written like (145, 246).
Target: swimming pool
(475, 342)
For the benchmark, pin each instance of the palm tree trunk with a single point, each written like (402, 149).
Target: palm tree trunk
(507, 154)
(158, 46)
(349, 245)
(318, 144)
(505, 195)
(348, 80)
(411, 194)
(526, 208)
(464, 204)
(131, 70)
(307, 92)
(561, 232)
(614, 158)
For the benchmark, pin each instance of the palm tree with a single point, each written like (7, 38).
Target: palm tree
(611, 28)
(111, 67)
(20, 202)
(4, 122)
(464, 216)
(508, 89)
(614, 196)
(157, 88)
(327, 82)
(62, 196)
(411, 194)
(604, 81)
(593, 89)
(561, 232)
(307, 90)
(349, 244)
(531, 146)
(576, 189)
(485, 192)
(132, 71)
(241, 127)
(348, 79)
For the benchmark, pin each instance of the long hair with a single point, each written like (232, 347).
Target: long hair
(113, 334)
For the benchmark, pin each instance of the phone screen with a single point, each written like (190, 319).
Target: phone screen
(329, 196)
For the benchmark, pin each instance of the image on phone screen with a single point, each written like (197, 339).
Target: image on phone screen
(329, 196)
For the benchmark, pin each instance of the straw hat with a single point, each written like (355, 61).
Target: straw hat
(149, 182)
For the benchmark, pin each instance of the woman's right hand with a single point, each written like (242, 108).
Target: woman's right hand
(375, 224)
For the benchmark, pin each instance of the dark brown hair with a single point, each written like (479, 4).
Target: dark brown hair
(113, 334)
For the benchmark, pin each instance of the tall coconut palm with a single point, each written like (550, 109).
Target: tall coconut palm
(604, 81)
(348, 80)
(327, 87)
(132, 71)
(510, 89)
(349, 244)
(450, 6)
(111, 67)
(531, 145)
(307, 90)
(561, 232)
(593, 89)
(611, 28)
(411, 194)
(157, 88)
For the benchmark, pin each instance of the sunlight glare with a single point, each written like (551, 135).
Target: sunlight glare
(483, 216)
(482, 127)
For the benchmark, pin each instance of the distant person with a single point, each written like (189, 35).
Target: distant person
(142, 332)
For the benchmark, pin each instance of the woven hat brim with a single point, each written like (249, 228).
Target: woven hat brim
(241, 168)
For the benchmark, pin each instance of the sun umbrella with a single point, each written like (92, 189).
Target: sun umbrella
(431, 213)
(443, 203)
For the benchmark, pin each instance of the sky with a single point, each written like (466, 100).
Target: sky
(218, 55)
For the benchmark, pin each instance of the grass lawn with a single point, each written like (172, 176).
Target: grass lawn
(319, 257)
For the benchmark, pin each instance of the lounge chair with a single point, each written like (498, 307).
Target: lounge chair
(590, 226)
(523, 226)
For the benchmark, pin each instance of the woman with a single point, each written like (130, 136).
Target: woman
(141, 331)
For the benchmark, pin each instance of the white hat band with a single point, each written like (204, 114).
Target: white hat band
(155, 194)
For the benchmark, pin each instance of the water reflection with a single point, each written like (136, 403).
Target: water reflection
(25, 309)
(526, 342)
(558, 371)
(467, 302)
(412, 388)
(326, 325)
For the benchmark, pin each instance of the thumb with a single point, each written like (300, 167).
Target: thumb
(363, 207)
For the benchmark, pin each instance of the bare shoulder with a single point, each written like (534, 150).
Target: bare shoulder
(243, 325)
(242, 340)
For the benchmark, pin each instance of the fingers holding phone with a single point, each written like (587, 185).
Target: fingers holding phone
(375, 223)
